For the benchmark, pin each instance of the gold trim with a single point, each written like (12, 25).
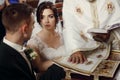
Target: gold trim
(94, 14)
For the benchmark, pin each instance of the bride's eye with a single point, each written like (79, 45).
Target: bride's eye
(51, 16)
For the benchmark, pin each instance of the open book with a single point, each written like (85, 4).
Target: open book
(86, 69)
(94, 58)
(105, 29)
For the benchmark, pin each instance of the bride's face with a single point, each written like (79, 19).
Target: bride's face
(48, 19)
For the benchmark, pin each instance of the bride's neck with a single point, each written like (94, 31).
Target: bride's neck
(49, 33)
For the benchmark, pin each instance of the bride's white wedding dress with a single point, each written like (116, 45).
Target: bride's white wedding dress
(45, 50)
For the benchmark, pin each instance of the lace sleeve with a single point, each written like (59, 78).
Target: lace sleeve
(36, 43)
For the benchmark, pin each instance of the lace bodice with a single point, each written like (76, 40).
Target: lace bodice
(47, 52)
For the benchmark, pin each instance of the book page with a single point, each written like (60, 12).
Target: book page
(106, 68)
(86, 67)
(97, 30)
(114, 26)
(105, 29)
(102, 52)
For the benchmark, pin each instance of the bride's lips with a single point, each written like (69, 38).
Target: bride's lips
(47, 25)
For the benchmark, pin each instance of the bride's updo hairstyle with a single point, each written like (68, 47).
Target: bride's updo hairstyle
(46, 5)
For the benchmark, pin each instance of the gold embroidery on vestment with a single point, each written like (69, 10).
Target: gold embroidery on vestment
(83, 36)
(110, 7)
(78, 10)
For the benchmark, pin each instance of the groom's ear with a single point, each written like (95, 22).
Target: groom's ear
(24, 28)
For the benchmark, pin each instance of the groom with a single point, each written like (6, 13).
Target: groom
(18, 20)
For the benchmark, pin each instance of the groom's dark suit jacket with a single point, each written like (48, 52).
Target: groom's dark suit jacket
(12, 65)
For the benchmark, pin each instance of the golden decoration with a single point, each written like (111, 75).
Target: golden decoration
(110, 7)
(83, 36)
(78, 10)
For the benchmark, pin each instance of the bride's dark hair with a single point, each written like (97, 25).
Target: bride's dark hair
(46, 5)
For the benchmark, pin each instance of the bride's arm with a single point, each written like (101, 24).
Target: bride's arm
(39, 63)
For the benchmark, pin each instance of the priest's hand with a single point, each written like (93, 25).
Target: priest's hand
(77, 57)
(101, 37)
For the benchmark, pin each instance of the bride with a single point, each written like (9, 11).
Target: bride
(47, 42)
